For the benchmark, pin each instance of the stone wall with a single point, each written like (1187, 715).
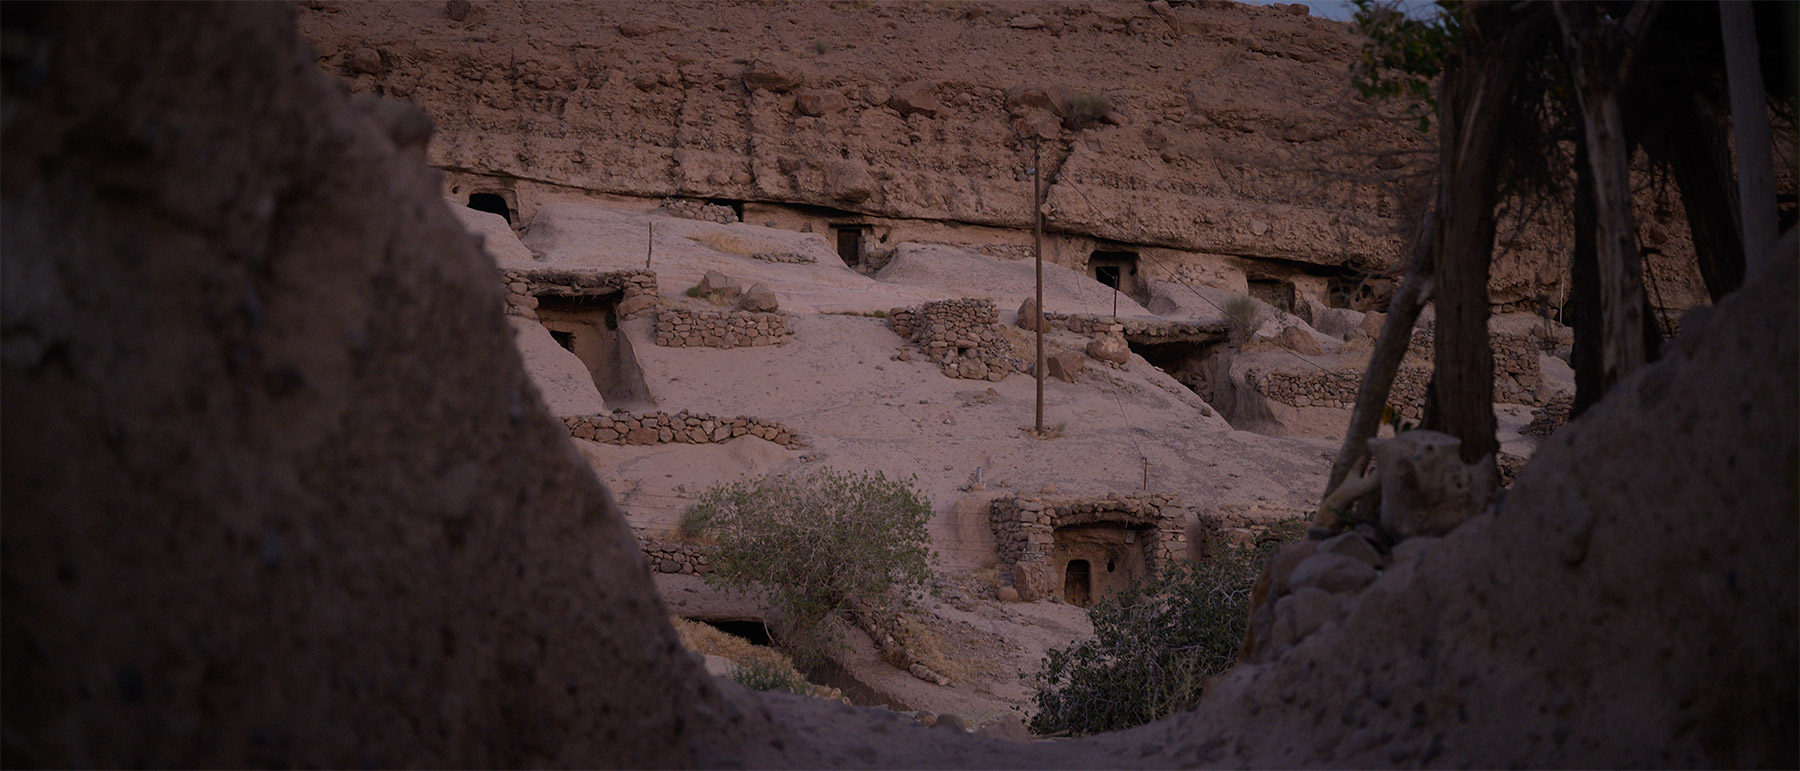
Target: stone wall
(639, 428)
(1553, 415)
(679, 558)
(637, 289)
(1138, 330)
(1517, 378)
(1025, 531)
(678, 328)
(687, 208)
(963, 336)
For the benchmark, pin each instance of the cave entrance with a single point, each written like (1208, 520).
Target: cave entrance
(1184, 361)
(1099, 559)
(492, 203)
(1117, 269)
(753, 630)
(849, 242)
(588, 326)
(1274, 291)
(736, 207)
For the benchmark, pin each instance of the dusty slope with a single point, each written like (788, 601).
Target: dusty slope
(220, 565)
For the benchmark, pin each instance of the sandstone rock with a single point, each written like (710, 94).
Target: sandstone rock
(1110, 348)
(632, 306)
(1426, 489)
(1333, 573)
(719, 666)
(918, 96)
(366, 60)
(1295, 9)
(1025, 21)
(1352, 544)
(1371, 323)
(777, 76)
(849, 181)
(820, 102)
(457, 10)
(1161, 8)
(1065, 365)
(1297, 340)
(1007, 594)
(1301, 613)
(759, 300)
(716, 283)
(638, 28)
(1028, 314)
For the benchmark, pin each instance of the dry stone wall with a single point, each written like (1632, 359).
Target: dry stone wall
(697, 210)
(1025, 526)
(1517, 378)
(637, 289)
(641, 428)
(963, 336)
(677, 558)
(678, 328)
(1138, 330)
(1553, 415)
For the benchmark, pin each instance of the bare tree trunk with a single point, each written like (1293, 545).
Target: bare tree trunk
(1599, 54)
(1584, 293)
(1700, 156)
(1749, 130)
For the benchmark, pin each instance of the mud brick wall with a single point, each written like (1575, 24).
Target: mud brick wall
(962, 336)
(641, 428)
(677, 328)
(637, 289)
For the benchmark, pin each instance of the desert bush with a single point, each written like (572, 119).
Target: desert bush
(1243, 316)
(817, 543)
(1155, 645)
(762, 676)
(1085, 110)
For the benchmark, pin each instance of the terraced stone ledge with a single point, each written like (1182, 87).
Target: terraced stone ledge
(646, 428)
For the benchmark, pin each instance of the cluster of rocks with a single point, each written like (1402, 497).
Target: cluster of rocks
(1553, 415)
(678, 558)
(639, 428)
(678, 328)
(720, 289)
(1337, 388)
(636, 289)
(687, 208)
(1025, 526)
(1307, 585)
(963, 336)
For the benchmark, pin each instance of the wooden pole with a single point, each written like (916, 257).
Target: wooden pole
(1750, 130)
(649, 245)
(1037, 250)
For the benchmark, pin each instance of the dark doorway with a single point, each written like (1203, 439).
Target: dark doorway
(1078, 583)
(491, 203)
(849, 243)
(1274, 291)
(1118, 270)
(754, 631)
(736, 207)
(564, 339)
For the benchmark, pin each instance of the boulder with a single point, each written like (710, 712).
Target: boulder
(777, 76)
(849, 181)
(632, 306)
(1353, 544)
(1426, 489)
(1334, 573)
(1111, 348)
(716, 283)
(1297, 340)
(820, 102)
(918, 96)
(1028, 314)
(639, 28)
(1065, 365)
(759, 300)
(1371, 323)
(457, 10)
(366, 60)
(1026, 21)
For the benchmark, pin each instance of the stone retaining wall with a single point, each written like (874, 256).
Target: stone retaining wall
(678, 558)
(678, 328)
(637, 289)
(1337, 388)
(1025, 531)
(641, 428)
(963, 336)
(1138, 330)
(1553, 415)
(686, 208)
(1516, 372)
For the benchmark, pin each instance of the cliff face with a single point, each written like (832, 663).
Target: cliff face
(1224, 133)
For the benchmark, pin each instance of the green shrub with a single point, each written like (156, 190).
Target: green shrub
(819, 544)
(1155, 644)
(1242, 316)
(1085, 110)
(763, 676)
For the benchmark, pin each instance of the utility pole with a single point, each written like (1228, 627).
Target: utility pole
(1037, 250)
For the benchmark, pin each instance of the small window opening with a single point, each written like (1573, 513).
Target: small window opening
(1109, 565)
(491, 203)
(849, 243)
(564, 339)
(1077, 583)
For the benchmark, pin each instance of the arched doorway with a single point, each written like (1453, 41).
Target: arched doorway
(491, 203)
(1078, 583)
